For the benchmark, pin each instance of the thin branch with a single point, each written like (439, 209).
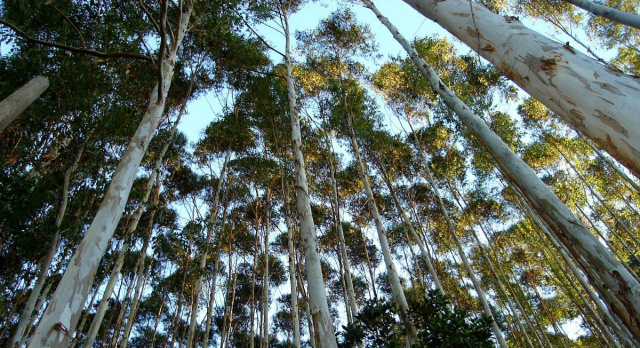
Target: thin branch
(84, 45)
(262, 40)
(75, 49)
(146, 11)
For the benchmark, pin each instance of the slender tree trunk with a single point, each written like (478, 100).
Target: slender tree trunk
(407, 221)
(317, 295)
(27, 312)
(59, 321)
(18, 101)
(203, 260)
(392, 274)
(342, 245)
(610, 13)
(295, 317)
(617, 285)
(265, 277)
(598, 102)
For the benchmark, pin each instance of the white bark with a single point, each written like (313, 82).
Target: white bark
(593, 99)
(62, 314)
(392, 274)
(613, 281)
(610, 13)
(295, 318)
(323, 328)
(18, 101)
(45, 263)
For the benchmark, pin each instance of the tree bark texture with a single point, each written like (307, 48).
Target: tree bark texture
(62, 314)
(607, 274)
(598, 102)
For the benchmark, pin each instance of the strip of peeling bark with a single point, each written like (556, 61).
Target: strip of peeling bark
(599, 102)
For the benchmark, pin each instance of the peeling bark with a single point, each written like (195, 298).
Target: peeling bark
(599, 102)
(57, 326)
(614, 282)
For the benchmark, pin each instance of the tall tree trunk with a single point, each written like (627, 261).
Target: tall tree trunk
(203, 260)
(295, 317)
(392, 275)
(613, 281)
(407, 221)
(596, 101)
(115, 272)
(264, 343)
(59, 321)
(342, 245)
(18, 101)
(317, 295)
(45, 263)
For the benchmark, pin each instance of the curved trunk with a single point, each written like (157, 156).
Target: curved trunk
(613, 281)
(57, 326)
(597, 101)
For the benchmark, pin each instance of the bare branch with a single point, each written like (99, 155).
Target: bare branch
(146, 11)
(261, 39)
(74, 49)
(84, 45)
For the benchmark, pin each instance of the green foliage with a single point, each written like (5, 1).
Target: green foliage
(378, 325)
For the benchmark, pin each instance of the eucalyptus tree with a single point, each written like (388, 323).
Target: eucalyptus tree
(553, 73)
(619, 289)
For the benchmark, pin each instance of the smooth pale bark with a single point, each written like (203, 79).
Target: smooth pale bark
(212, 297)
(353, 306)
(608, 275)
(45, 263)
(622, 17)
(323, 328)
(264, 343)
(133, 225)
(407, 221)
(397, 290)
(597, 101)
(18, 101)
(293, 283)
(203, 259)
(59, 320)
(624, 335)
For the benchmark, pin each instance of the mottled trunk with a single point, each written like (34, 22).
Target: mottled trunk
(613, 281)
(57, 326)
(45, 263)
(18, 101)
(599, 102)
(392, 274)
(317, 295)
